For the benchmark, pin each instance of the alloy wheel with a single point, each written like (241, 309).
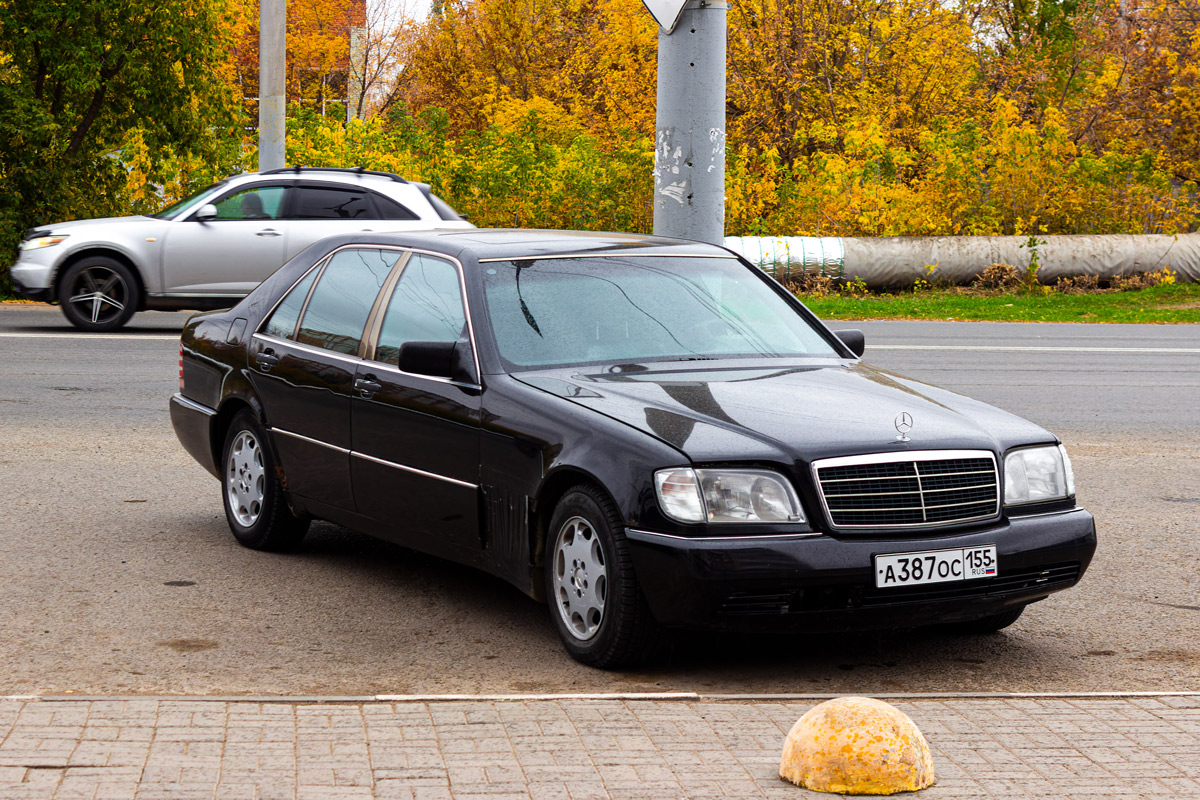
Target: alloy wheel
(98, 294)
(245, 479)
(580, 578)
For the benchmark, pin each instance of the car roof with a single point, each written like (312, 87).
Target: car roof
(506, 244)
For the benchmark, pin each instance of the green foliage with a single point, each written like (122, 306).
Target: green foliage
(88, 88)
(528, 170)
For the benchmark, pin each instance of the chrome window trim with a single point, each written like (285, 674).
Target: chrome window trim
(896, 457)
(382, 366)
(311, 441)
(271, 311)
(729, 256)
(414, 470)
(308, 348)
(462, 291)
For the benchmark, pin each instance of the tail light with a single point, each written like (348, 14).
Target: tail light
(181, 369)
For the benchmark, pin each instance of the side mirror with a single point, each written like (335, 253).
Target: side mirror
(436, 359)
(853, 339)
(207, 211)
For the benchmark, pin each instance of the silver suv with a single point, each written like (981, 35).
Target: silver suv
(210, 250)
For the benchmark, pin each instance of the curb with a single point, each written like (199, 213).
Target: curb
(691, 697)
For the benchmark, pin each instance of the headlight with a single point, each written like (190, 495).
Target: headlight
(726, 495)
(1036, 474)
(41, 241)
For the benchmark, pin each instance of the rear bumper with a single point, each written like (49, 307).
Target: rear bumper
(823, 583)
(193, 427)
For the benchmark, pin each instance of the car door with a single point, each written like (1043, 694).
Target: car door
(317, 210)
(415, 438)
(303, 364)
(233, 253)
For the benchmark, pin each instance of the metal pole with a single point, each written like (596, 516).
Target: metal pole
(272, 97)
(689, 152)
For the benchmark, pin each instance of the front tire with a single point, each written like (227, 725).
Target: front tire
(597, 606)
(98, 294)
(255, 505)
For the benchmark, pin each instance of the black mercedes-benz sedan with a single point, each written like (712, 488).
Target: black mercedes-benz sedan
(642, 432)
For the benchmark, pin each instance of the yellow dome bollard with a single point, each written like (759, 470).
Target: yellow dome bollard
(856, 745)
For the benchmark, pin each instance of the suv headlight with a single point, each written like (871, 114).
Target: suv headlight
(38, 242)
(1037, 474)
(726, 495)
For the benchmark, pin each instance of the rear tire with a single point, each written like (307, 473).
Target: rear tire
(597, 606)
(98, 294)
(255, 504)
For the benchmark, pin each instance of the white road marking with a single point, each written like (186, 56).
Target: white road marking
(1033, 348)
(127, 336)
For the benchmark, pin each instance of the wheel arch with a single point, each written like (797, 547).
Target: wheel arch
(106, 252)
(224, 418)
(554, 487)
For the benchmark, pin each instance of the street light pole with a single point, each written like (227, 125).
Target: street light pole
(272, 97)
(689, 152)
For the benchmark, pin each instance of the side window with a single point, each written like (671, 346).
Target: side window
(313, 202)
(343, 297)
(425, 307)
(282, 323)
(388, 208)
(259, 202)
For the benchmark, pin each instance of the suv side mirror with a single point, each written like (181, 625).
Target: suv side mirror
(853, 339)
(207, 211)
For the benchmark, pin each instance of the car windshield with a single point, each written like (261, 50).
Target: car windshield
(183, 205)
(559, 312)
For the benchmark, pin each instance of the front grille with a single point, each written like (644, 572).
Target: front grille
(927, 489)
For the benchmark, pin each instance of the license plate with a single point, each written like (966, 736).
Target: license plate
(935, 566)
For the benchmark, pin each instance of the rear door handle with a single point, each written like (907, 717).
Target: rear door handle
(366, 386)
(266, 359)
(268, 232)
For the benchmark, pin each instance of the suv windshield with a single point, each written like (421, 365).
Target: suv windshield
(183, 205)
(558, 312)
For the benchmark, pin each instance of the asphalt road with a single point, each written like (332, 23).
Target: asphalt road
(118, 574)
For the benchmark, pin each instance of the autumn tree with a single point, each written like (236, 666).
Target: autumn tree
(77, 77)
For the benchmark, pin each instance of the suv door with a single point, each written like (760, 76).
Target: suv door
(317, 210)
(303, 362)
(229, 255)
(415, 463)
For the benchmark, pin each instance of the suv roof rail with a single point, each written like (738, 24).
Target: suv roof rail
(354, 170)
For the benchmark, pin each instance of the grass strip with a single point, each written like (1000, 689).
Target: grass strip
(1177, 303)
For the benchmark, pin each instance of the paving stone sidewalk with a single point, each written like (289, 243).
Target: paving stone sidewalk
(570, 749)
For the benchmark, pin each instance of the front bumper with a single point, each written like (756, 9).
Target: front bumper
(818, 582)
(31, 276)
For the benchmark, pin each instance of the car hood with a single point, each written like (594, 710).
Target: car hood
(801, 411)
(59, 227)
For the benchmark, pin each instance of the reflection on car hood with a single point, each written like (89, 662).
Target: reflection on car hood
(801, 411)
(58, 227)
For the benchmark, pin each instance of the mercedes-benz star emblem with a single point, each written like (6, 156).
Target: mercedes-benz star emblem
(904, 424)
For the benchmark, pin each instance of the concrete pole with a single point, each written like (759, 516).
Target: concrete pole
(272, 84)
(689, 152)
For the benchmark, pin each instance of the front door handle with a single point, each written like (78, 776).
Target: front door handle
(366, 386)
(268, 232)
(266, 359)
